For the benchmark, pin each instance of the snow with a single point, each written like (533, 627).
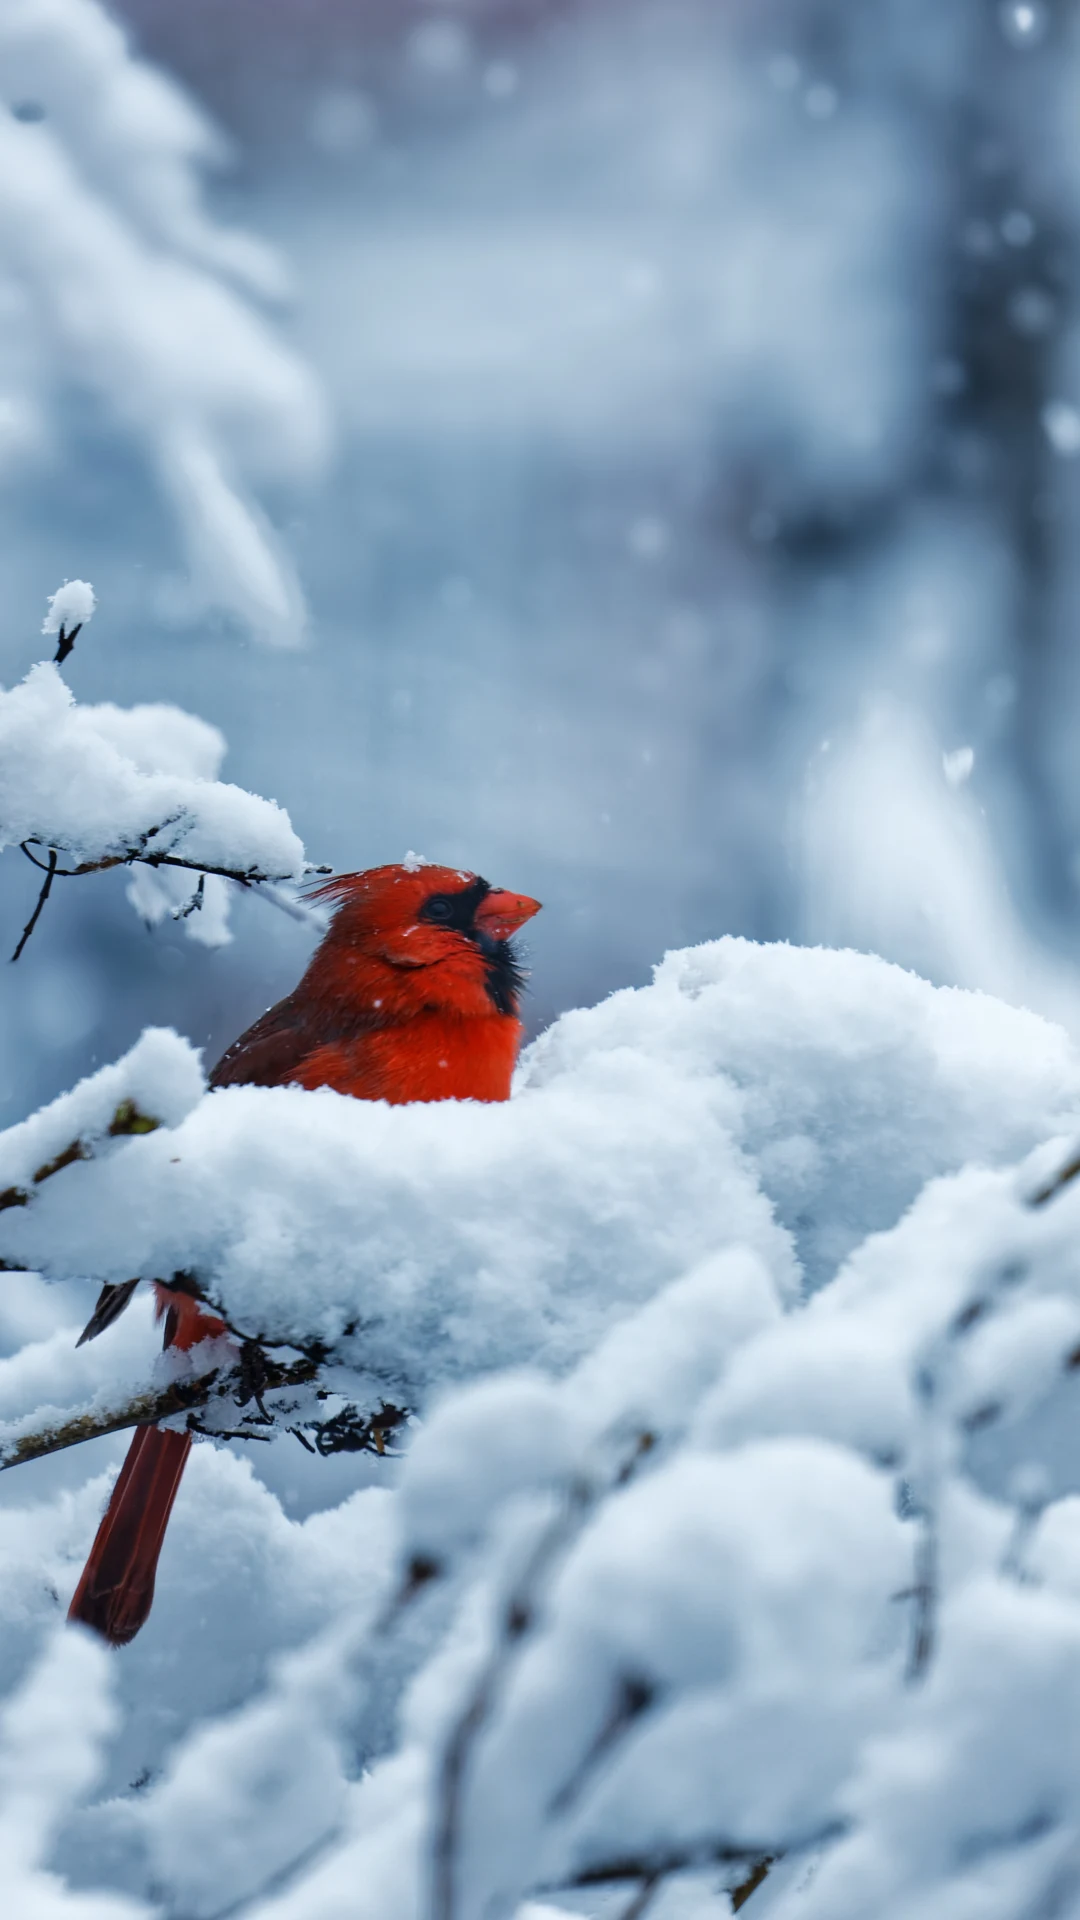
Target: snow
(72, 605)
(51, 1734)
(958, 765)
(738, 1308)
(458, 1236)
(99, 783)
(123, 289)
(1061, 423)
(161, 1076)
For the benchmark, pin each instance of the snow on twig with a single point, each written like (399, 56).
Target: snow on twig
(107, 787)
(70, 609)
(255, 1384)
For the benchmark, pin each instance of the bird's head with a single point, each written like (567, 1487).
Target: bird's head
(449, 930)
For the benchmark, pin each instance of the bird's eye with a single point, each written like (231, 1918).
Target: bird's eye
(439, 908)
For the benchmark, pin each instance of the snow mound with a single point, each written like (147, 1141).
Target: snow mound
(853, 1081)
(686, 1565)
(782, 1101)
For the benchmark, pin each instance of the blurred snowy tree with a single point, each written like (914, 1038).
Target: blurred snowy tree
(117, 287)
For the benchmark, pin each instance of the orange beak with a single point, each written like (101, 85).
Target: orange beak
(500, 914)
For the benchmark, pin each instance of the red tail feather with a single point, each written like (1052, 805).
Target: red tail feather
(116, 1591)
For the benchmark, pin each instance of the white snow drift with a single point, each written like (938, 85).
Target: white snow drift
(742, 1515)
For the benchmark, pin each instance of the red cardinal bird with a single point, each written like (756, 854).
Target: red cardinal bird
(413, 995)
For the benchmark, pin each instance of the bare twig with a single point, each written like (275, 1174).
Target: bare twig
(741, 1894)
(692, 1856)
(142, 853)
(65, 642)
(633, 1697)
(924, 1594)
(50, 875)
(643, 1898)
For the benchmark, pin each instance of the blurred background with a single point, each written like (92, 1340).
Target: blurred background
(629, 449)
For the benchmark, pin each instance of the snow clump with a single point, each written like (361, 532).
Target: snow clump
(72, 605)
(111, 784)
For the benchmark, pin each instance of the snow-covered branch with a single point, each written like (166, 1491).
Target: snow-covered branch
(261, 1385)
(87, 788)
(122, 286)
(106, 785)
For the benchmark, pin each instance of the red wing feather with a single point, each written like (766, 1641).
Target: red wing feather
(269, 1053)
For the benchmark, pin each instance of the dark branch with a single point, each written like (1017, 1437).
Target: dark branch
(741, 1894)
(143, 855)
(643, 1898)
(924, 1595)
(65, 642)
(1062, 1178)
(693, 1856)
(50, 875)
(633, 1697)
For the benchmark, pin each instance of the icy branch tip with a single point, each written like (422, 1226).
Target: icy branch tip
(72, 605)
(413, 862)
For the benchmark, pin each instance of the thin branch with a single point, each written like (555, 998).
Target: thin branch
(741, 1894)
(643, 1898)
(634, 1697)
(692, 1856)
(143, 855)
(924, 1595)
(50, 875)
(65, 642)
(1062, 1178)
